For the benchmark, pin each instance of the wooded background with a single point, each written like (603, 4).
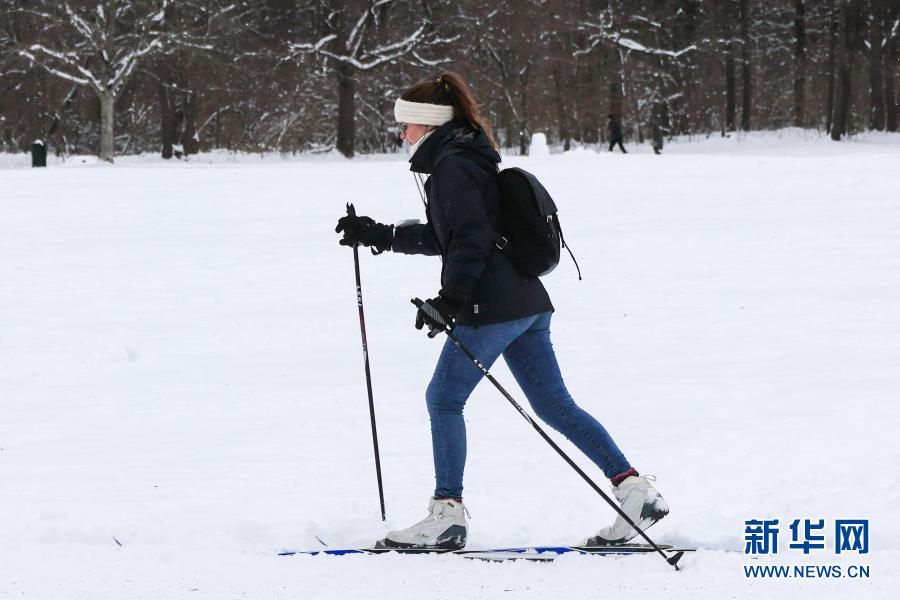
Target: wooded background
(180, 76)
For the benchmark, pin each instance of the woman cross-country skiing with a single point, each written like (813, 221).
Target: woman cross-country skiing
(495, 311)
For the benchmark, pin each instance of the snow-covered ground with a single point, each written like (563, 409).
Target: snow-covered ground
(180, 371)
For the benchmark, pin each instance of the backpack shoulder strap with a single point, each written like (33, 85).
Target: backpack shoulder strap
(448, 151)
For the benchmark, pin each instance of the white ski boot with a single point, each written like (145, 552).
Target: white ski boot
(641, 502)
(444, 528)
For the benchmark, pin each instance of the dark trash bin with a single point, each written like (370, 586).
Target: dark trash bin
(38, 154)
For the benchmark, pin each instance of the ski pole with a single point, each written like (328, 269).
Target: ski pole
(351, 211)
(436, 315)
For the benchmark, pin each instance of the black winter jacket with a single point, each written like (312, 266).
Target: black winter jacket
(463, 217)
(615, 131)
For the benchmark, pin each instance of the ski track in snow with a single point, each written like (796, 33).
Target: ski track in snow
(180, 369)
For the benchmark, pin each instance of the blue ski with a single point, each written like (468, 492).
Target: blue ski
(533, 553)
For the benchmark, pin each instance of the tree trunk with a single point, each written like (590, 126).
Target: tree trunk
(524, 134)
(617, 75)
(216, 124)
(729, 89)
(746, 71)
(509, 125)
(842, 91)
(890, 89)
(638, 123)
(346, 108)
(58, 115)
(616, 101)
(189, 141)
(167, 120)
(829, 63)
(875, 67)
(107, 140)
(799, 62)
(590, 125)
(524, 129)
(725, 31)
(559, 98)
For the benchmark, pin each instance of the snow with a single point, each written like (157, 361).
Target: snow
(180, 369)
(538, 146)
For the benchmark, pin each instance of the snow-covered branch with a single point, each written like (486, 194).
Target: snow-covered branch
(627, 43)
(67, 59)
(112, 55)
(59, 73)
(377, 56)
(421, 60)
(313, 48)
(630, 44)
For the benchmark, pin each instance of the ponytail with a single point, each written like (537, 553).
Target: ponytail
(449, 89)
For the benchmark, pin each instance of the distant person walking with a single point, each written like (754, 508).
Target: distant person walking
(615, 134)
(658, 133)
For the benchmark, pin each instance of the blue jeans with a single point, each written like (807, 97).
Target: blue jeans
(525, 344)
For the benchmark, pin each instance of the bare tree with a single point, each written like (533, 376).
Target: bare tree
(892, 40)
(876, 71)
(95, 44)
(799, 62)
(563, 74)
(202, 74)
(197, 33)
(512, 39)
(721, 47)
(843, 87)
(746, 67)
(357, 38)
(833, 24)
(633, 36)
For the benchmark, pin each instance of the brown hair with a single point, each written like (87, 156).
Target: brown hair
(450, 89)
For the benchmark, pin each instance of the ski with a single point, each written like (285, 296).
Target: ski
(530, 553)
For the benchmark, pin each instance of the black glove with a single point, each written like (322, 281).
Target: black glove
(438, 313)
(365, 231)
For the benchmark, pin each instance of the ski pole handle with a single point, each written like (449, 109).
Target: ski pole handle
(351, 212)
(434, 314)
(429, 310)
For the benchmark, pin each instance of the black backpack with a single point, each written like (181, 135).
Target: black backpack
(531, 235)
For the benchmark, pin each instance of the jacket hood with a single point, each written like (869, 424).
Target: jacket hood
(451, 138)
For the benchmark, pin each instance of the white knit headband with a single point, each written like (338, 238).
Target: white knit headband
(422, 113)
